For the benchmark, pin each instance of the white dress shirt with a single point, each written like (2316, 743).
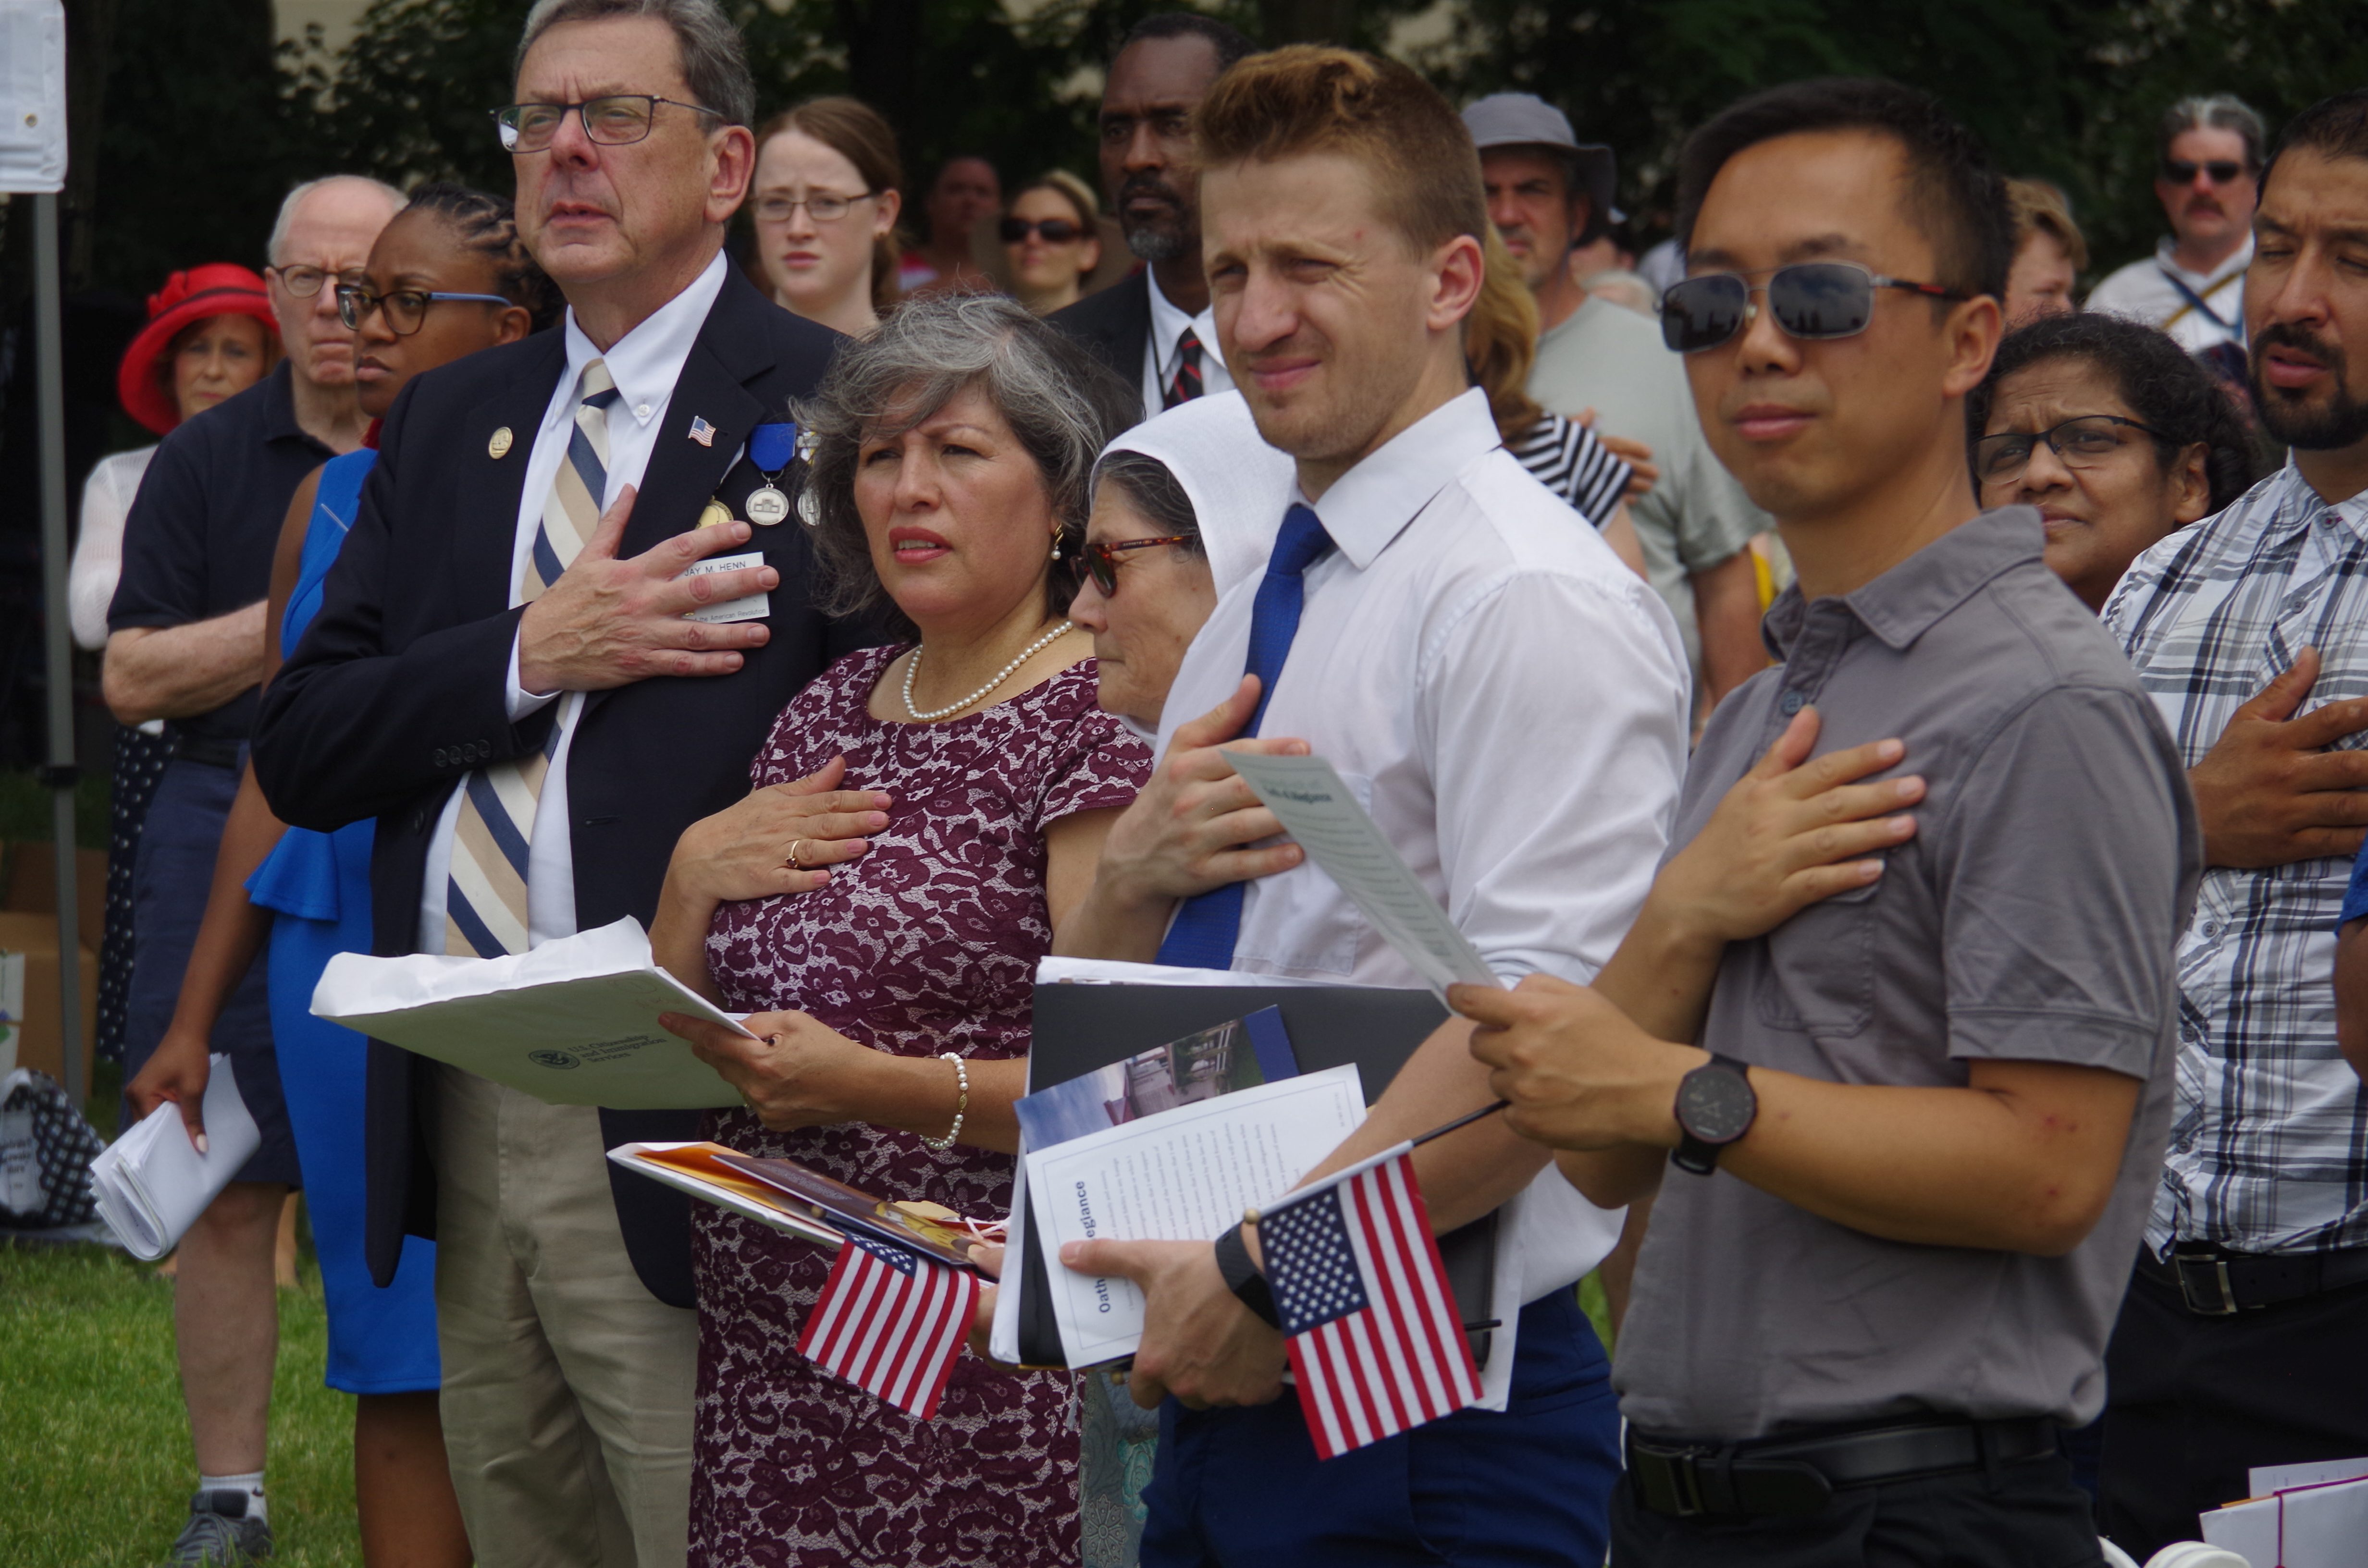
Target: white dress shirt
(1509, 702)
(1167, 324)
(645, 364)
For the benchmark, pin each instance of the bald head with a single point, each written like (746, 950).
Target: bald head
(324, 233)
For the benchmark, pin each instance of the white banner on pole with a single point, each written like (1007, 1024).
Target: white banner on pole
(32, 95)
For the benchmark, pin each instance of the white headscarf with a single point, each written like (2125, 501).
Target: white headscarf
(1238, 485)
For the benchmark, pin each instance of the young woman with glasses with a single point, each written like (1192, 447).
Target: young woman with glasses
(1051, 242)
(2113, 433)
(825, 202)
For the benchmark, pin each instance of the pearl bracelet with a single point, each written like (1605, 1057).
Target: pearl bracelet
(962, 1103)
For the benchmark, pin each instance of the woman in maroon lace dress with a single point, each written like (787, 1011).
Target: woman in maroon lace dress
(955, 791)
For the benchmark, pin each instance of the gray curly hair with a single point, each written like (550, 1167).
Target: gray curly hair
(1061, 404)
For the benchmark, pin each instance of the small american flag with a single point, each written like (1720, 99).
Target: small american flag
(1375, 1340)
(702, 431)
(892, 1324)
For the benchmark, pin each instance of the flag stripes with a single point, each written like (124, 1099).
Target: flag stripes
(892, 1324)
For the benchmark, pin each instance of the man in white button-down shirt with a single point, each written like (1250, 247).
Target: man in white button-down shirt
(1512, 706)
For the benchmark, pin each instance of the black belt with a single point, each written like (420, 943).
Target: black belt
(1800, 1476)
(205, 752)
(2216, 1284)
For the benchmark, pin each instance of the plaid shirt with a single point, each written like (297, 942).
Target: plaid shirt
(2269, 1150)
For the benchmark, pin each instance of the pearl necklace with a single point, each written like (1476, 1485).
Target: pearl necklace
(912, 668)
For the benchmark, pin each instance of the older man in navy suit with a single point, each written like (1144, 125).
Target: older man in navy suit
(504, 675)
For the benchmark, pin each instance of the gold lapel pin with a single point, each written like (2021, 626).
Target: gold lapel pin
(714, 515)
(499, 447)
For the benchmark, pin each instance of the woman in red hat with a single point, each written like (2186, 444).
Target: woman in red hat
(209, 336)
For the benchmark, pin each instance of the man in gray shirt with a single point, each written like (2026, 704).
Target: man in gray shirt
(1916, 1142)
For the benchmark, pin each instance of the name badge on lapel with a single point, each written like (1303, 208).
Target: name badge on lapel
(747, 606)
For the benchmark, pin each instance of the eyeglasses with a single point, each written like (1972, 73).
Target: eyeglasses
(822, 208)
(1099, 562)
(406, 309)
(1809, 299)
(618, 121)
(305, 281)
(1056, 231)
(2224, 170)
(2082, 443)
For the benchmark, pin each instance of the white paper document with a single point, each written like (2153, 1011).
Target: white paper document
(1323, 818)
(1185, 1175)
(152, 1184)
(573, 1022)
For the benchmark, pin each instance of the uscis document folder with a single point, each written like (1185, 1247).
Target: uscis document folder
(1183, 1175)
(573, 1022)
(1317, 809)
(152, 1184)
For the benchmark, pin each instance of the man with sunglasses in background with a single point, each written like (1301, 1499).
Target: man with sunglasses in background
(184, 644)
(1904, 1140)
(2244, 1341)
(502, 673)
(2208, 162)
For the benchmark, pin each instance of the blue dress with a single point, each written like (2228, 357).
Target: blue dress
(318, 886)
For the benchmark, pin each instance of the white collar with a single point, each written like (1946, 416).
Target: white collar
(647, 361)
(2203, 282)
(1371, 504)
(1169, 322)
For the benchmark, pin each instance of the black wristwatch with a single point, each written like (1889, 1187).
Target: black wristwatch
(1716, 1106)
(1243, 1278)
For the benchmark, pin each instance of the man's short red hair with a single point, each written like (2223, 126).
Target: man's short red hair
(1309, 98)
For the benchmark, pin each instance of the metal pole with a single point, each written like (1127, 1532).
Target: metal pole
(50, 403)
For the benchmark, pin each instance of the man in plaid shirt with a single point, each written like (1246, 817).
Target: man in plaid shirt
(2244, 1340)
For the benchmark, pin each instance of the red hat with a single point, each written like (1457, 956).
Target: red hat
(217, 288)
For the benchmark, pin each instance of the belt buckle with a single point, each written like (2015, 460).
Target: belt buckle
(2204, 1285)
(1678, 1467)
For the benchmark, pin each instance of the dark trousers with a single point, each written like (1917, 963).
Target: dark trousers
(2024, 1516)
(2193, 1403)
(1519, 1488)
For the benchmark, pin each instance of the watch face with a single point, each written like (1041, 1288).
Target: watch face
(1716, 1104)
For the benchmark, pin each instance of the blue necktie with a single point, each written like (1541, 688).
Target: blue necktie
(1205, 927)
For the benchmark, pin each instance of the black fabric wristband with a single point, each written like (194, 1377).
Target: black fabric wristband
(1242, 1278)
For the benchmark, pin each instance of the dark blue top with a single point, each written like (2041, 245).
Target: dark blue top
(201, 532)
(320, 876)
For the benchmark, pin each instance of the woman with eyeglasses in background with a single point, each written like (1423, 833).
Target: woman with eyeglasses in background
(446, 277)
(824, 201)
(2116, 436)
(1052, 241)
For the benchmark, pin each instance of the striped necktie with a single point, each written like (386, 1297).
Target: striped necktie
(485, 901)
(1187, 383)
(1207, 925)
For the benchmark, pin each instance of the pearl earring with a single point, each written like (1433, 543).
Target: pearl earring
(1056, 546)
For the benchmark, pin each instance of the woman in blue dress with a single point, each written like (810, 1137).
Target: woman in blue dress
(447, 278)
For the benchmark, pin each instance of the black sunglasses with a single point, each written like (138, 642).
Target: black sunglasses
(1808, 299)
(1056, 231)
(2224, 170)
(1099, 562)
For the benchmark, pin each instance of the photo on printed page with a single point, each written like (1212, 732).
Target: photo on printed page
(1241, 1053)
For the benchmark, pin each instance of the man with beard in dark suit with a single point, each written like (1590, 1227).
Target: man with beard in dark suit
(508, 674)
(1153, 327)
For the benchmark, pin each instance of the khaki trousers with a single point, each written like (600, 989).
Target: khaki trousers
(567, 1386)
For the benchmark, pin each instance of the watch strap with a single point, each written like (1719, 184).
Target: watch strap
(1242, 1278)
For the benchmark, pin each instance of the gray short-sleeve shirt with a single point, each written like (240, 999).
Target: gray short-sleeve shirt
(2031, 918)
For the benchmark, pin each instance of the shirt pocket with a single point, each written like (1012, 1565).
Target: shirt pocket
(1819, 978)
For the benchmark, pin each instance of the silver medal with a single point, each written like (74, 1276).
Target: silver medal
(767, 506)
(809, 509)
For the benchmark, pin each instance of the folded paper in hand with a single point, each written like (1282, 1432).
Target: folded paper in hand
(152, 1184)
(573, 1022)
(1317, 809)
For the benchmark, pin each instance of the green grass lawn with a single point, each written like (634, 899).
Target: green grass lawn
(94, 1460)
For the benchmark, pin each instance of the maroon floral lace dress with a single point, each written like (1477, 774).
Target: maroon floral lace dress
(927, 943)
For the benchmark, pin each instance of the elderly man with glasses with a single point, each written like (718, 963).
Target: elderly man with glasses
(2208, 158)
(184, 644)
(503, 675)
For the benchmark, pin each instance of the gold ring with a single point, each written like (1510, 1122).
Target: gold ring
(795, 844)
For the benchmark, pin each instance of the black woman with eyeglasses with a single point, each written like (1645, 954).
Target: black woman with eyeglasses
(2116, 435)
(446, 279)
(825, 203)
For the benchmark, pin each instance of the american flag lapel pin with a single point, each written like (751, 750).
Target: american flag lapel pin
(703, 432)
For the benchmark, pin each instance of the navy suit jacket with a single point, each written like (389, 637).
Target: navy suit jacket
(1113, 324)
(399, 690)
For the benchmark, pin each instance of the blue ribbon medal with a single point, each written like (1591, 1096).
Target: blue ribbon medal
(770, 448)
